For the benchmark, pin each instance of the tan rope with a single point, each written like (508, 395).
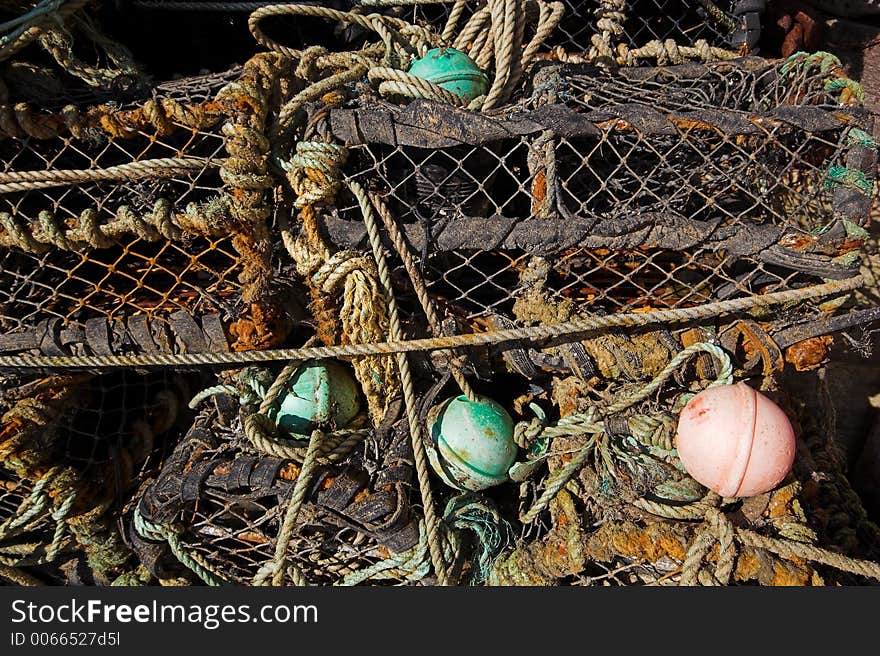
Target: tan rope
(420, 288)
(13, 181)
(547, 331)
(432, 523)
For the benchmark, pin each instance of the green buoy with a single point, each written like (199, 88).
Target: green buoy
(471, 446)
(452, 70)
(321, 394)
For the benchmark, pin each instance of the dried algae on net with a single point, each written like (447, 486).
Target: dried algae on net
(572, 199)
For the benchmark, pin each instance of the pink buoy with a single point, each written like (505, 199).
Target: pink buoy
(735, 441)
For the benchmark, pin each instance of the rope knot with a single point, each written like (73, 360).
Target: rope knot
(308, 68)
(316, 172)
(332, 273)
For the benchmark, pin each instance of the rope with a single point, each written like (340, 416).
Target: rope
(159, 533)
(421, 289)
(15, 181)
(314, 173)
(38, 506)
(472, 512)
(494, 36)
(278, 563)
(542, 332)
(409, 397)
(719, 528)
(413, 564)
(583, 424)
(87, 230)
(18, 576)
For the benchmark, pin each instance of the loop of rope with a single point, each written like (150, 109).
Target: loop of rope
(166, 533)
(314, 174)
(494, 36)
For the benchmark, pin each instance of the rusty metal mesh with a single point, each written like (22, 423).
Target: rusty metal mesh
(644, 189)
(147, 259)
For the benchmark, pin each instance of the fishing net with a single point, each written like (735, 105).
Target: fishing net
(589, 241)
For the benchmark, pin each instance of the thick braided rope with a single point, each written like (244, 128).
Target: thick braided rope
(38, 506)
(314, 174)
(87, 229)
(543, 332)
(393, 81)
(792, 549)
(378, 23)
(409, 396)
(165, 167)
(59, 516)
(29, 26)
(32, 508)
(262, 433)
(583, 424)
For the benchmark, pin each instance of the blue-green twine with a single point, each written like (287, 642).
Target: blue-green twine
(475, 513)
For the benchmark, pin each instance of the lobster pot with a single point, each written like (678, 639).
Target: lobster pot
(226, 502)
(608, 530)
(642, 21)
(74, 448)
(140, 228)
(642, 190)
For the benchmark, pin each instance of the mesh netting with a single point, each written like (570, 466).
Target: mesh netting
(164, 250)
(647, 189)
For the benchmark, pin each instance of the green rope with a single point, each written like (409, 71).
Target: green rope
(413, 564)
(586, 423)
(858, 137)
(192, 562)
(472, 512)
(838, 83)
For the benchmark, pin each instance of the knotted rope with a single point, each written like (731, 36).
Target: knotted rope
(494, 37)
(314, 174)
